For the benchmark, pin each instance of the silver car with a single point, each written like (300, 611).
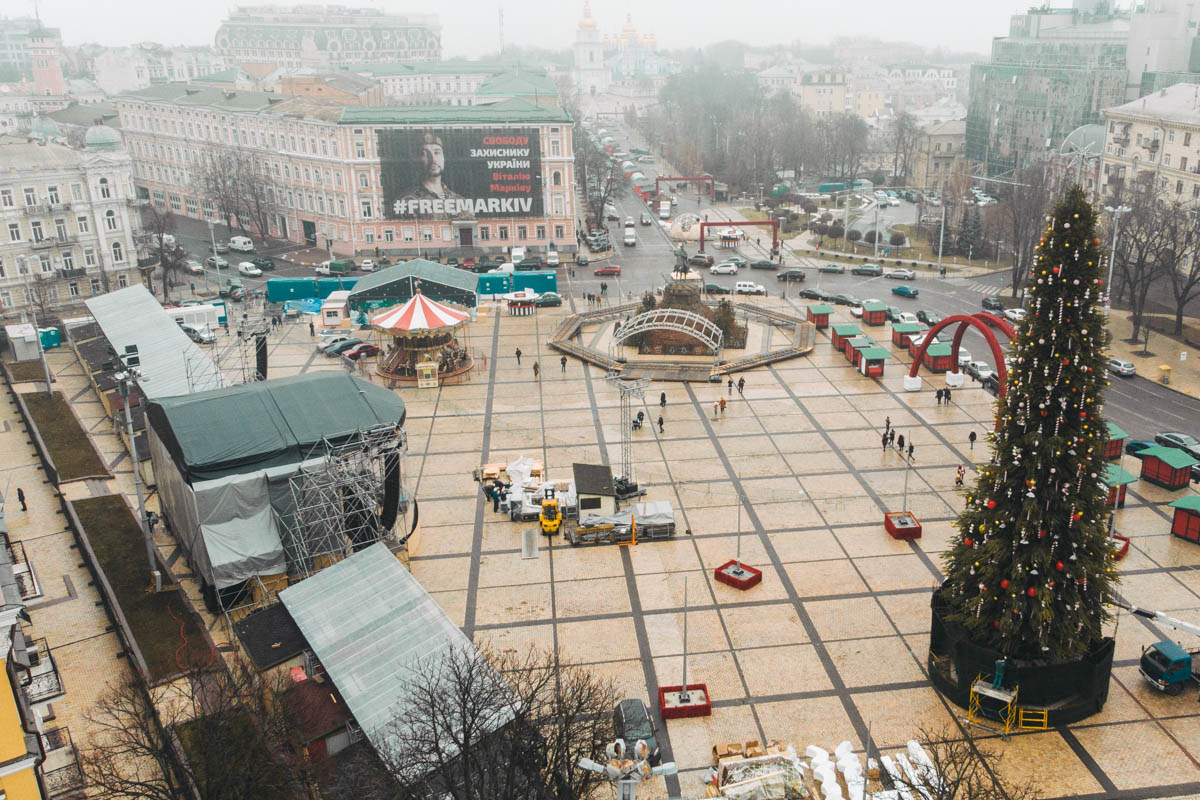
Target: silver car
(1119, 366)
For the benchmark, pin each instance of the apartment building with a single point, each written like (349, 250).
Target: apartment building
(68, 219)
(362, 179)
(123, 69)
(939, 149)
(1155, 140)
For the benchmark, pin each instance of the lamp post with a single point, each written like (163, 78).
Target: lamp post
(877, 230)
(212, 237)
(1112, 259)
(128, 376)
(941, 239)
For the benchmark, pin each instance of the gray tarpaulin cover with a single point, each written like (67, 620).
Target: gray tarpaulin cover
(657, 512)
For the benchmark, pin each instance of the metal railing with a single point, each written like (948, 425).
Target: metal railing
(42, 680)
(61, 771)
(27, 582)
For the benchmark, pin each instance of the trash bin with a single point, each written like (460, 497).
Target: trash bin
(1164, 374)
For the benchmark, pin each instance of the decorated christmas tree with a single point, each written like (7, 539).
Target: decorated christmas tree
(1030, 570)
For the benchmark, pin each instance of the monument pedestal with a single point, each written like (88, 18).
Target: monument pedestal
(738, 574)
(672, 706)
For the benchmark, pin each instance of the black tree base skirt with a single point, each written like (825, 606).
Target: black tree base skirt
(1069, 691)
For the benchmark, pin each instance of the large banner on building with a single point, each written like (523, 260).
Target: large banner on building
(444, 174)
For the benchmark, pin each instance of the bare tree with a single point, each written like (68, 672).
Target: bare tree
(257, 192)
(1024, 202)
(1185, 278)
(218, 181)
(216, 734)
(1153, 239)
(42, 291)
(904, 135)
(961, 769)
(484, 725)
(601, 180)
(171, 257)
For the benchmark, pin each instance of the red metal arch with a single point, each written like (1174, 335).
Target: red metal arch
(701, 179)
(983, 322)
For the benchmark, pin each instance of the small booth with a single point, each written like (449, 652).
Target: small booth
(902, 333)
(1168, 467)
(1115, 443)
(730, 238)
(818, 315)
(595, 489)
(842, 332)
(335, 311)
(870, 361)
(1117, 479)
(521, 304)
(23, 339)
(855, 345)
(1186, 524)
(937, 358)
(874, 313)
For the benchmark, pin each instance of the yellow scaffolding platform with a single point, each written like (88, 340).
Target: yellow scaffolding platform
(1033, 719)
(992, 702)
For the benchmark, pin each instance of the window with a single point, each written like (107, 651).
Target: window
(483, 234)
(122, 280)
(1178, 187)
(360, 150)
(45, 264)
(1167, 160)
(68, 260)
(110, 220)
(522, 233)
(1171, 137)
(95, 286)
(82, 222)
(369, 236)
(364, 180)
(89, 257)
(30, 196)
(389, 235)
(6, 198)
(193, 208)
(408, 234)
(2, 268)
(556, 178)
(558, 233)
(1187, 138)
(14, 232)
(76, 192)
(73, 289)
(503, 233)
(555, 148)
(176, 205)
(60, 228)
(1196, 190)
(426, 234)
(558, 206)
(36, 228)
(105, 189)
(52, 195)
(366, 209)
(541, 232)
(118, 252)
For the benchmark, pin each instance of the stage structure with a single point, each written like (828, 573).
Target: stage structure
(629, 388)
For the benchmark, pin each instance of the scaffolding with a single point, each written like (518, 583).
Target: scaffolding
(346, 497)
(629, 388)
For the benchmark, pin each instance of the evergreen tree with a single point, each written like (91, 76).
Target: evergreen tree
(970, 233)
(1030, 570)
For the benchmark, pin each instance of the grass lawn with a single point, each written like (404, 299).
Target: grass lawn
(68, 443)
(26, 371)
(117, 541)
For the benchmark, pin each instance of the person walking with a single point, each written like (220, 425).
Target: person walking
(312, 329)
(960, 475)
(887, 425)
(518, 354)
(946, 396)
(741, 385)
(722, 402)
(21, 498)
(910, 451)
(660, 424)
(662, 400)
(731, 387)
(900, 443)
(971, 439)
(939, 397)
(891, 437)
(716, 410)
(885, 442)
(536, 371)
(563, 361)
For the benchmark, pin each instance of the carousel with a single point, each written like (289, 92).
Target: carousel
(425, 348)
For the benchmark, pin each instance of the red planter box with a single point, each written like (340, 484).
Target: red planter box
(751, 577)
(1121, 545)
(893, 523)
(702, 708)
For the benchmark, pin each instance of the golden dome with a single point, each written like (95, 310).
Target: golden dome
(628, 32)
(587, 23)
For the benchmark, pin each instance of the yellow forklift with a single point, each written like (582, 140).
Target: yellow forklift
(551, 516)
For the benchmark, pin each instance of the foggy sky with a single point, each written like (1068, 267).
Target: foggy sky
(469, 27)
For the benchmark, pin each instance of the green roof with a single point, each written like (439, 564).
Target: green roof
(442, 68)
(847, 329)
(876, 353)
(1189, 503)
(859, 342)
(518, 83)
(876, 306)
(937, 350)
(418, 268)
(820, 308)
(1115, 476)
(1173, 457)
(184, 94)
(1116, 433)
(224, 76)
(905, 327)
(514, 110)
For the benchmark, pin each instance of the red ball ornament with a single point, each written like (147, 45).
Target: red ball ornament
(1004, 583)
(968, 542)
(1078, 515)
(1060, 566)
(995, 623)
(991, 503)
(1055, 270)
(1083, 415)
(1032, 592)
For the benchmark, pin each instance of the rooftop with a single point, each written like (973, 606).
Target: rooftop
(85, 114)
(19, 154)
(186, 94)
(519, 83)
(514, 110)
(1178, 103)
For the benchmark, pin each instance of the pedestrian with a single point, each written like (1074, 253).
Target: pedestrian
(887, 424)
(892, 437)
(946, 396)
(518, 354)
(960, 475)
(885, 442)
(731, 387)
(910, 451)
(900, 443)
(488, 491)
(716, 410)
(939, 396)
(971, 439)
(21, 498)
(312, 329)
(563, 361)
(536, 370)
(662, 400)
(660, 424)
(497, 490)
(722, 401)
(741, 385)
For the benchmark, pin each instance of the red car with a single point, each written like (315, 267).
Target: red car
(361, 350)
(601, 271)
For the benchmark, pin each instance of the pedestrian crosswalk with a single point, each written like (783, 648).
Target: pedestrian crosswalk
(985, 288)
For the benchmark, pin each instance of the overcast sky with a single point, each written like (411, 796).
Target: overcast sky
(469, 27)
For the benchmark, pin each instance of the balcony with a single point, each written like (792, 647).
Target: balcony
(36, 208)
(41, 681)
(27, 582)
(1152, 144)
(42, 244)
(1121, 139)
(60, 771)
(60, 206)
(70, 274)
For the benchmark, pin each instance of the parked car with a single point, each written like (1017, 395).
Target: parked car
(632, 723)
(724, 268)
(611, 215)
(845, 300)
(606, 270)
(836, 269)
(329, 339)
(342, 346)
(216, 262)
(738, 260)
(240, 244)
(700, 260)
(900, 274)
(198, 334)
(237, 293)
(221, 247)
(905, 290)
(263, 263)
(194, 266)
(1180, 441)
(908, 316)
(964, 356)
(930, 318)
(990, 383)
(977, 369)
(646, 218)
(872, 270)
(552, 259)
(364, 350)
(1014, 314)
(191, 301)
(246, 268)
(581, 258)
(893, 313)
(368, 264)
(813, 294)
(856, 311)
(748, 287)
(790, 275)
(549, 299)
(231, 285)
(764, 263)
(716, 288)
(992, 304)
(1119, 366)
(1134, 447)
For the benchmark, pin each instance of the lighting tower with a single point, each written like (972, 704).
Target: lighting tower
(629, 388)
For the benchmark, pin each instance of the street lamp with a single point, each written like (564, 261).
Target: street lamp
(129, 375)
(1112, 259)
(216, 258)
(627, 770)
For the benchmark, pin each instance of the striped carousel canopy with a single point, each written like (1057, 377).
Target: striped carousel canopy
(419, 314)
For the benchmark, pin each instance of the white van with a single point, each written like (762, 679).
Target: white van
(502, 268)
(748, 287)
(241, 244)
(518, 255)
